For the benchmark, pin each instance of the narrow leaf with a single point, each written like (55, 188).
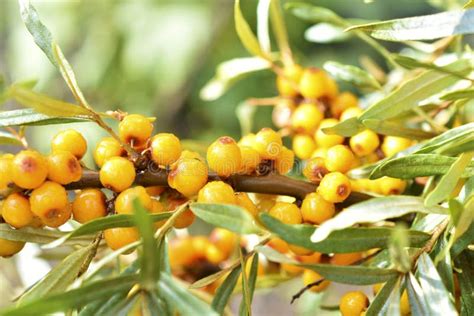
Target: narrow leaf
(252, 280)
(245, 33)
(466, 281)
(418, 303)
(224, 292)
(263, 17)
(395, 129)
(412, 63)
(380, 301)
(454, 135)
(354, 75)
(459, 94)
(35, 235)
(9, 139)
(325, 33)
(25, 117)
(345, 128)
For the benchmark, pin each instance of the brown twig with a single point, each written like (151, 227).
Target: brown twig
(306, 288)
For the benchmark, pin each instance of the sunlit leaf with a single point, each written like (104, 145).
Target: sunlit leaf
(326, 33)
(263, 18)
(345, 128)
(463, 241)
(280, 32)
(454, 135)
(9, 139)
(35, 235)
(395, 129)
(351, 74)
(32, 117)
(412, 63)
(247, 37)
(458, 95)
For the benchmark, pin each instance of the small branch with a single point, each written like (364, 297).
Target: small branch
(306, 288)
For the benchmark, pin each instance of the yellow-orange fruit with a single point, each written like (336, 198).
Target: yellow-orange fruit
(29, 169)
(88, 205)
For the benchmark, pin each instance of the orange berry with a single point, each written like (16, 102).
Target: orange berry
(310, 277)
(268, 143)
(288, 82)
(353, 303)
(405, 304)
(165, 149)
(279, 245)
(107, 148)
(312, 258)
(188, 176)
(343, 102)
(89, 204)
(335, 187)
(339, 158)
(287, 213)
(243, 200)
(316, 210)
(181, 252)
(156, 208)
(16, 211)
(284, 163)
(117, 174)
(393, 145)
(49, 202)
(225, 240)
(29, 169)
(315, 169)
(155, 190)
(346, 259)
(224, 157)
(124, 204)
(214, 255)
(191, 155)
(217, 192)
(300, 251)
(63, 167)
(306, 118)
(250, 159)
(9, 248)
(184, 220)
(6, 175)
(70, 140)
(120, 237)
(313, 83)
(135, 129)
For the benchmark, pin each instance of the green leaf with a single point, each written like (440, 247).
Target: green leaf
(398, 246)
(245, 308)
(372, 211)
(421, 165)
(448, 182)
(280, 32)
(340, 241)
(313, 13)
(9, 139)
(379, 304)
(412, 63)
(466, 281)
(245, 33)
(224, 292)
(395, 129)
(458, 95)
(418, 303)
(31, 117)
(209, 279)
(354, 75)
(35, 235)
(427, 27)
(326, 33)
(455, 135)
(263, 18)
(231, 217)
(346, 128)
(246, 303)
(463, 241)
(392, 306)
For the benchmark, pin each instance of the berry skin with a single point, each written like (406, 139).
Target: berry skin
(214, 255)
(186, 218)
(155, 190)
(364, 143)
(299, 251)
(70, 140)
(250, 159)
(29, 169)
(287, 83)
(135, 129)
(316, 210)
(16, 211)
(181, 252)
(63, 167)
(335, 187)
(281, 115)
(343, 102)
(243, 200)
(6, 176)
(117, 174)
(247, 140)
(125, 200)
(287, 213)
(284, 163)
(353, 303)
(225, 240)
(313, 83)
(188, 176)
(350, 113)
(393, 145)
(315, 169)
(49, 202)
(391, 186)
(224, 157)
(310, 276)
(279, 245)
(165, 149)
(346, 259)
(303, 146)
(120, 237)
(332, 90)
(9, 248)
(88, 205)
(268, 143)
(339, 158)
(107, 148)
(217, 192)
(306, 118)
(327, 140)
(320, 152)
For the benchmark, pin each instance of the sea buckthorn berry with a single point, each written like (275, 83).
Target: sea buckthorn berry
(6, 176)
(181, 252)
(117, 174)
(135, 129)
(224, 157)
(107, 148)
(313, 83)
(268, 143)
(214, 255)
(393, 145)
(16, 211)
(188, 176)
(157, 208)
(190, 155)
(250, 159)
(315, 257)
(353, 303)
(264, 205)
(310, 277)
(279, 245)
(281, 115)
(327, 140)
(29, 169)
(320, 152)
(217, 192)
(120, 237)
(49, 202)
(339, 158)
(306, 118)
(350, 113)
(284, 163)
(316, 210)
(287, 213)
(88, 205)
(299, 251)
(9, 248)
(155, 190)
(291, 269)
(70, 140)
(303, 146)
(184, 220)
(404, 304)
(343, 102)
(346, 259)
(364, 143)
(165, 149)
(63, 167)
(332, 89)
(287, 83)
(392, 186)
(200, 244)
(225, 240)
(243, 200)
(377, 287)
(247, 140)
(335, 187)
(124, 204)
(315, 169)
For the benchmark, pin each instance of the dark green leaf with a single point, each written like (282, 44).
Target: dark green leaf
(460, 94)
(224, 292)
(351, 74)
(395, 129)
(466, 281)
(379, 304)
(345, 128)
(31, 117)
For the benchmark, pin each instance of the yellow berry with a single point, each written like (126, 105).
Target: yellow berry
(313, 83)
(9, 248)
(332, 90)
(165, 149)
(268, 143)
(155, 190)
(217, 192)
(364, 143)
(188, 176)
(339, 158)
(319, 152)
(327, 140)
(70, 140)
(63, 167)
(157, 208)
(49, 202)
(346, 259)
(124, 204)
(89, 204)
(310, 277)
(303, 146)
(343, 102)
(29, 169)
(287, 83)
(350, 113)
(353, 303)
(117, 174)
(224, 157)
(299, 251)
(107, 148)
(6, 176)
(405, 304)
(306, 118)
(315, 169)
(214, 255)
(225, 240)
(316, 210)
(191, 155)
(135, 129)
(243, 200)
(282, 111)
(284, 162)
(279, 245)
(393, 145)
(250, 159)
(181, 252)
(334, 187)
(120, 237)
(247, 140)
(16, 211)
(287, 213)
(392, 186)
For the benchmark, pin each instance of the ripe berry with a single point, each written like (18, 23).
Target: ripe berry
(284, 163)
(250, 159)
(107, 148)
(364, 143)
(391, 186)
(303, 146)
(191, 155)
(310, 277)
(188, 176)
(181, 252)
(88, 205)
(353, 303)
(313, 83)
(327, 140)
(343, 102)
(63, 167)
(339, 158)
(224, 157)
(29, 169)
(70, 140)
(217, 192)
(49, 202)
(287, 213)
(247, 140)
(350, 113)
(165, 149)
(155, 190)
(282, 111)
(332, 90)
(279, 245)
(184, 220)
(16, 211)
(214, 255)
(393, 145)
(157, 208)
(243, 200)
(316, 210)
(288, 82)
(117, 174)
(346, 259)
(135, 129)
(225, 240)
(120, 237)
(315, 169)
(124, 204)
(306, 118)
(299, 251)
(268, 143)
(9, 247)
(320, 152)
(313, 258)
(335, 187)
(6, 176)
